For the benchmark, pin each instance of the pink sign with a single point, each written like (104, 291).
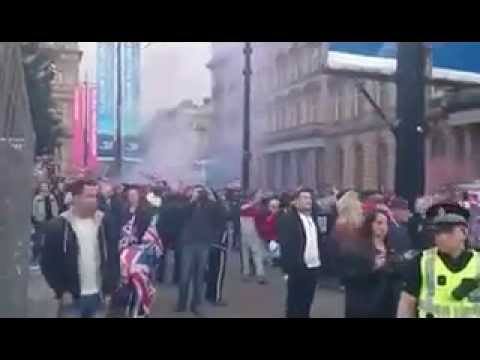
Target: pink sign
(83, 154)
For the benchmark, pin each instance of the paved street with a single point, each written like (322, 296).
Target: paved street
(250, 300)
(246, 300)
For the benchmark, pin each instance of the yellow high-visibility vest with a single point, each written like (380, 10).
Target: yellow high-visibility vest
(436, 296)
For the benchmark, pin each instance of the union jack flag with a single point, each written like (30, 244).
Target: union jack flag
(138, 264)
(128, 234)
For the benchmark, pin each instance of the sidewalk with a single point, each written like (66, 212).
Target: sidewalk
(41, 303)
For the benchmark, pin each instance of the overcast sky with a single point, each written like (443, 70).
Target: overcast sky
(170, 72)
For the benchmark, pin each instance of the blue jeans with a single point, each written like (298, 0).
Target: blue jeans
(87, 306)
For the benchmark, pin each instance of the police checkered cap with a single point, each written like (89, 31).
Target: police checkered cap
(447, 214)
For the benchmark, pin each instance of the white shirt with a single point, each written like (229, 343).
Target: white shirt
(312, 254)
(89, 255)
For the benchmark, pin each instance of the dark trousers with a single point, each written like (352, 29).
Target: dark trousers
(87, 306)
(37, 242)
(162, 268)
(193, 265)
(236, 236)
(177, 265)
(301, 287)
(216, 274)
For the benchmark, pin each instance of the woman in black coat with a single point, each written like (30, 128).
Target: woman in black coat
(369, 270)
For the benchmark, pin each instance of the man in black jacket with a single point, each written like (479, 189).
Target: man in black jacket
(202, 218)
(80, 257)
(169, 227)
(299, 238)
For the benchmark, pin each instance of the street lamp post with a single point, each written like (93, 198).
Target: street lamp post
(85, 126)
(411, 111)
(118, 142)
(246, 117)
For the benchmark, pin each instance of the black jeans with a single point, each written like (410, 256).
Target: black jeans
(193, 263)
(216, 274)
(301, 286)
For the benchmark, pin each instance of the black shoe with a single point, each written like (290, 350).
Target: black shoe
(262, 280)
(198, 312)
(180, 309)
(220, 303)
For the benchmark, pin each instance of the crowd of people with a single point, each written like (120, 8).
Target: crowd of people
(103, 247)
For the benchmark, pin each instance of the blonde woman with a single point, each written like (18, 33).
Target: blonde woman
(349, 210)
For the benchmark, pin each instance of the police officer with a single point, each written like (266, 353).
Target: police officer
(443, 281)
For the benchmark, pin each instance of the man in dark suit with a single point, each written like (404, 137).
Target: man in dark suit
(299, 238)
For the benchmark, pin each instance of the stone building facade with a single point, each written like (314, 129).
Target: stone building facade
(316, 129)
(308, 128)
(67, 57)
(453, 151)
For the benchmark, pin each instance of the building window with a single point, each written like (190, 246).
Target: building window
(384, 96)
(439, 145)
(292, 112)
(459, 136)
(358, 167)
(299, 115)
(281, 69)
(270, 175)
(393, 95)
(356, 102)
(311, 108)
(304, 61)
(315, 58)
(286, 171)
(382, 166)
(270, 118)
(284, 123)
(58, 79)
(339, 103)
(320, 168)
(340, 164)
